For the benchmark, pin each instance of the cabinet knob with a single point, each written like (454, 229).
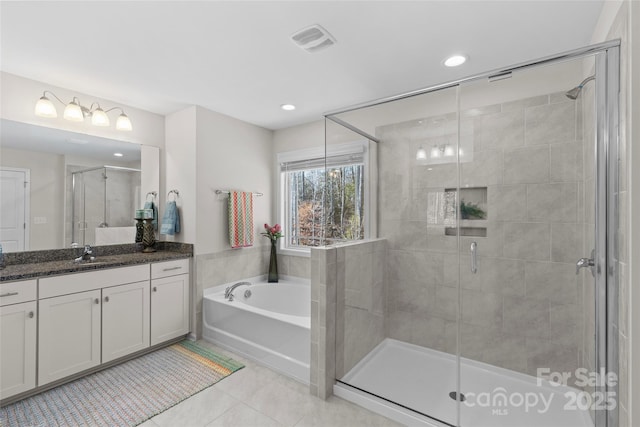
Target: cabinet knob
(155, 289)
(31, 315)
(97, 301)
(106, 299)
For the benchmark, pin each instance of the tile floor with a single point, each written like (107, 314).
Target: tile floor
(258, 396)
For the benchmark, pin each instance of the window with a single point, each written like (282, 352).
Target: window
(323, 206)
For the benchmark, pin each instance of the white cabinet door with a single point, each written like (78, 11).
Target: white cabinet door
(17, 348)
(69, 335)
(169, 308)
(125, 320)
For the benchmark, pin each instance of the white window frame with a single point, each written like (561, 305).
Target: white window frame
(360, 146)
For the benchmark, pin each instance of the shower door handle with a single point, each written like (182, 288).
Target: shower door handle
(586, 262)
(474, 261)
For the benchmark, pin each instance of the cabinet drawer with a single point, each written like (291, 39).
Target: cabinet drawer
(80, 282)
(16, 292)
(169, 268)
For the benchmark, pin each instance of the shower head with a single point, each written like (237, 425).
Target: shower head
(573, 93)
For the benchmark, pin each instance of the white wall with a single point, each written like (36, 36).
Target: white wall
(298, 137)
(230, 155)
(180, 170)
(206, 151)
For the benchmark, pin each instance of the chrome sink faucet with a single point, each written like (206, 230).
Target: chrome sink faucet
(87, 255)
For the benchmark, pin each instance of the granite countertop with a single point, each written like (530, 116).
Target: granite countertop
(49, 263)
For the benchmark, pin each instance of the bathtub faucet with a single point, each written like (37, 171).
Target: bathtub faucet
(228, 292)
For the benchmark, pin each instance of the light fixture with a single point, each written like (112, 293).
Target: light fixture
(421, 154)
(118, 154)
(99, 117)
(288, 107)
(123, 122)
(455, 60)
(76, 112)
(45, 108)
(448, 151)
(73, 111)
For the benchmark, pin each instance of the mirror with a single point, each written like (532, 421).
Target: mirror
(60, 187)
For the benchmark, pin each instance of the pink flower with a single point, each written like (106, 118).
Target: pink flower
(272, 233)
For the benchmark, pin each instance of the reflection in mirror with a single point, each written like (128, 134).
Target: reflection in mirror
(61, 187)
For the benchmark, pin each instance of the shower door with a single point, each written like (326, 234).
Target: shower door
(529, 239)
(394, 348)
(497, 206)
(88, 208)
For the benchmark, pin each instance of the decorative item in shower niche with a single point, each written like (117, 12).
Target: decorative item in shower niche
(471, 211)
(273, 233)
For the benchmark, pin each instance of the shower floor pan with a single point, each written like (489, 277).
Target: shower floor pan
(424, 380)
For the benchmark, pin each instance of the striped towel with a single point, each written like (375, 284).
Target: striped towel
(240, 219)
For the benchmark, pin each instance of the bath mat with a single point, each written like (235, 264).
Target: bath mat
(127, 394)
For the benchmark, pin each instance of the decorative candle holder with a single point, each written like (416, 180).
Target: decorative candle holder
(139, 233)
(148, 236)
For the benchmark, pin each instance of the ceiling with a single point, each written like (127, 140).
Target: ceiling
(236, 57)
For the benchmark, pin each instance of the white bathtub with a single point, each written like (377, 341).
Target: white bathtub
(272, 326)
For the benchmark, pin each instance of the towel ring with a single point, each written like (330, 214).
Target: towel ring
(153, 195)
(176, 194)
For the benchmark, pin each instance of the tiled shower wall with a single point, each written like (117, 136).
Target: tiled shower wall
(523, 308)
(347, 308)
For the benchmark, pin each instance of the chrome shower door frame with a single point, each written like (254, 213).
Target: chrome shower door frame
(606, 218)
(606, 148)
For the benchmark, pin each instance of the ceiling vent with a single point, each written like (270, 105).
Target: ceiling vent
(313, 38)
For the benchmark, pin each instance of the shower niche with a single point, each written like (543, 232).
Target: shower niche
(472, 206)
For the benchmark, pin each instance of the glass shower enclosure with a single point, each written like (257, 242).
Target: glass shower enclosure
(496, 198)
(101, 197)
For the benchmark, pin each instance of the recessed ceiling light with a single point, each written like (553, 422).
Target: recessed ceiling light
(118, 154)
(288, 107)
(455, 60)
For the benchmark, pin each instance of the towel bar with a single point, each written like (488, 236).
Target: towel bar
(255, 193)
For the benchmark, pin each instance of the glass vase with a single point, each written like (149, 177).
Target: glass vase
(273, 264)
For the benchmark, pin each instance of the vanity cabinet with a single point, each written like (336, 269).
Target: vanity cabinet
(60, 326)
(80, 329)
(18, 317)
(125, 320)
(169, 300)
(69, 337)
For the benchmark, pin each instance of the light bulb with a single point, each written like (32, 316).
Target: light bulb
(421, 154)
(123, 123)
(73, 112)
(448, 151)
(99, 118)
(45, 108)
(435, 152)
